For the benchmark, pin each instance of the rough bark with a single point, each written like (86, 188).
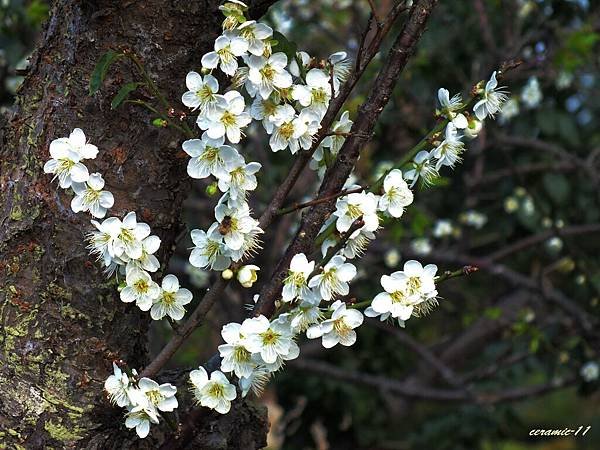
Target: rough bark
(62, 321)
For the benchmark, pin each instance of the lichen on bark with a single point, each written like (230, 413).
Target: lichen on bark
(61, 320)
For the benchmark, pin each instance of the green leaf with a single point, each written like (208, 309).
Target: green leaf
(123, 93)
(101, 69)
(557, 186)
(284, 45)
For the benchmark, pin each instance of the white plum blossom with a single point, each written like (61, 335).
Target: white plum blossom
(395, 301)
(255, 33)
(129, 236)
(315, 94)
(140, 417)
(338, 131)
(162, 396)
(209, 250)
(139, 289)
(590, 371)
(289, 129)
(449, 106)
(171, 300)
(272, 340)
(215, 393)
(531, 95)
(234, 355)
(420, 281)
(147, 261)
(234, 223)
(334, 278)
(357, 205)
(295, 285)
(492, 98)
(443, 228)
(473, 218)
(396, 194)
(339, 329)
(268, 74)
(247, 275)
(304, 315)
(66, 156)
(209, 157)
(202, 93)
(227, 48)
(423, 168)
(90, 196)
(449, 150)
(509, 110)
(239, 179)
(117, 387)
(473, 129)
(227, 118)
(341, 68)
(264, 110)
(421, 246)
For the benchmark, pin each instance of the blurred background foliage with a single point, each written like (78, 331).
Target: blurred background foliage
(523, 207)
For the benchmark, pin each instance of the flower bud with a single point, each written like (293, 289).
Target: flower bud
(211, 189)
(247, 275)
(227, 274)
(473, 128)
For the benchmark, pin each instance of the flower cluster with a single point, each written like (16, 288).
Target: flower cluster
(143, 398)
(289, 94)
(125, 247)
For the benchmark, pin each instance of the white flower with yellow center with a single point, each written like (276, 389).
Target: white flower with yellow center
(395, 301)
(449, 106)
(140, 417)
(492, 98)
(338, 134)
(89, 196)
(209, 250)
(234, 223)
(339, 329)
(357, 205)
(171, 300)
(129, 237)
(334, 278)
(202, 92)
(264, 110)
(215, 393)
(209, 157)
(316, 93)
(423, 168)
(296, 283)
(162, 396)
(449, 150)
(227, 118)
(234, 355)
(255, 33)
(66, 156)
(228, 48)
(288, 128)
(117, 387)
(268, 74)
(272, 340)
(147, 261)
(420, 281)
(139, 289)
(396, 194)
(239, 179)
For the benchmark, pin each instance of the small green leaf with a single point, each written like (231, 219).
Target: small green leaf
(160, 123)
(284, 45)
(123, 93)
(101, 69)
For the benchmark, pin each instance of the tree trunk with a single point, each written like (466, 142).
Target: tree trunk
(62, 320)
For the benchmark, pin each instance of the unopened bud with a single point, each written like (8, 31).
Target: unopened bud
(227, 274)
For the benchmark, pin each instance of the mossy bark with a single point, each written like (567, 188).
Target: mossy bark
(62, 322)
